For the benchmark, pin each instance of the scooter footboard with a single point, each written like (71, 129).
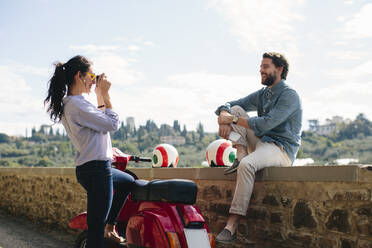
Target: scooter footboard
(173, 191)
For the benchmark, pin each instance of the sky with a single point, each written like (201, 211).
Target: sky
(179, 60)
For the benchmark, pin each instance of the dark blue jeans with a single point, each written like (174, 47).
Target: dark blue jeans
(99, 180)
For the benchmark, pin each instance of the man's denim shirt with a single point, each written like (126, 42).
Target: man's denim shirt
(279, 117)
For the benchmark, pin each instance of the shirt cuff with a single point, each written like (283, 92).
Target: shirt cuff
(223, 107)
(252, 124)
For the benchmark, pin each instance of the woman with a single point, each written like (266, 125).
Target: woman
(88, 128)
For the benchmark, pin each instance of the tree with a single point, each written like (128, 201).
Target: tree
(200, 131)
(184, 131)
(33, 131)
(4, 138)
(151, 126)
(51, 131)
(176, 126)
(166, 130)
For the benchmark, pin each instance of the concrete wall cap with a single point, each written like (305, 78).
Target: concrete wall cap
(304, 173)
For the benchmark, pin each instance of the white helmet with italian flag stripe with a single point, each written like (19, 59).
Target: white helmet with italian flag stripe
(164, 155)
(220, 153)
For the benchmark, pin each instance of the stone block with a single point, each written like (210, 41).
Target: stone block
(276, 218)
(220, 208)
(256, 213)
(300, 239)
(351, 195)
(362, 243)
(339, 221)
(264, 233)
(286, 202)
(327, 242)
(347, 243)
(365, 210)
(303, 216)
(270, 200)
(211, 193)
(363, 227)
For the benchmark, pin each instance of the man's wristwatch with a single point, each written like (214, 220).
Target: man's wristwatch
(235, 119)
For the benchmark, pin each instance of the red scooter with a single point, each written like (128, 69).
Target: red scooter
(157, 214)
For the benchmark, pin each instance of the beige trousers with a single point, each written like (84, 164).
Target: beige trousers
(260, 155)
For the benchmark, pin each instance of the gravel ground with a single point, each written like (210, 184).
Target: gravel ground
(19, 232)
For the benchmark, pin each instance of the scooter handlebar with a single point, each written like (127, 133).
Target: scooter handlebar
(140, 159)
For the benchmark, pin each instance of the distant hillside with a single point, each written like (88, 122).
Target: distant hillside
(47, 148)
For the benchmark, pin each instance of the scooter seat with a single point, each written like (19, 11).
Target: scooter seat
(172, 190)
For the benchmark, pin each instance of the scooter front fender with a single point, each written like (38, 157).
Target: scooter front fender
(147, 229)
(79, 222)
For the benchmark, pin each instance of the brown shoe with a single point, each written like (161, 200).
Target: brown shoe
(113, 236)
(232, 168)
(225, 237)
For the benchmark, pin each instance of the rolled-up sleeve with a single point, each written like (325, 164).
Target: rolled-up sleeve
(93, 118)
(248, 103)
(287, 103)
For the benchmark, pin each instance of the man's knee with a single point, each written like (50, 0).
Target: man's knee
(246, 168)
(237, 110)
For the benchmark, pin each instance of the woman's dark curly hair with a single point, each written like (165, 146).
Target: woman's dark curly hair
(60, 83)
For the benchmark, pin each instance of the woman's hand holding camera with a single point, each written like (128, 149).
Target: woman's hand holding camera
(102, 91)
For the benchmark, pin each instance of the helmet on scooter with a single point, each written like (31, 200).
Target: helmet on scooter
(164, 155)
(220, 153)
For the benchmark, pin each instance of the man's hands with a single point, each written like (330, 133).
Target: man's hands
(224, 121)
(225, 118)
(224, 131)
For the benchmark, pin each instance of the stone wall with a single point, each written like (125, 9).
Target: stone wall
(290, 207)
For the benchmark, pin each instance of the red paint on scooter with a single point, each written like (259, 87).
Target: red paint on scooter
(148, 222)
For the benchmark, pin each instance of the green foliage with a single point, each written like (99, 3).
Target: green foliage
(48, 148)
(4, 138)
(352, 140)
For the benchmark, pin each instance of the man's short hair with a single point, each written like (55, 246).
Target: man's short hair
(278, 60)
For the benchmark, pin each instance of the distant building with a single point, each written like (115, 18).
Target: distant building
(130, 124)
(173, 140)
(330, 126)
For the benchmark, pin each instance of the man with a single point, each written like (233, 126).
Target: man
(272, 138)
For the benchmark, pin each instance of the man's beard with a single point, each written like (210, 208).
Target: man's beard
(270, 79)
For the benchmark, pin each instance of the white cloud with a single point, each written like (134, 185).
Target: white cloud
(20, 109)
(349, 2)
(117, 68)
(189, 98)
(345, 55)
(134, 48)
(359, 26)
(346, 99)
(148, 43)
(263, 25)
(356, 73)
